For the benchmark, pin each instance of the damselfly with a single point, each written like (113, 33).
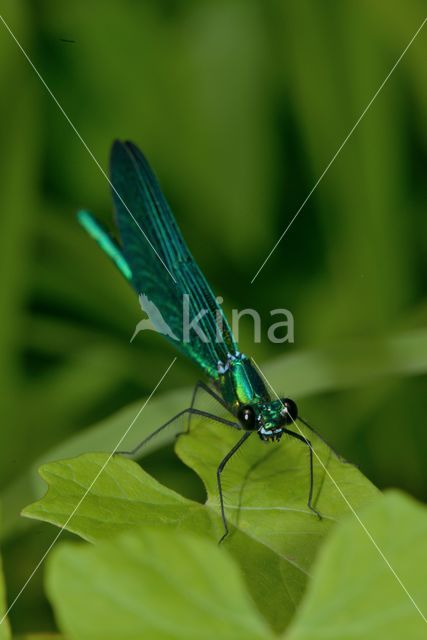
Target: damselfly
(154, 258)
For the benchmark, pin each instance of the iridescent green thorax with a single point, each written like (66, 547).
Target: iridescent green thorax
(240, 383)
(248, 399)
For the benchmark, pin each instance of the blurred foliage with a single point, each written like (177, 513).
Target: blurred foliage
(4, 627)
(355, 595)
(239, 105)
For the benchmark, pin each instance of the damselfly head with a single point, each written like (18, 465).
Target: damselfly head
(269, 419)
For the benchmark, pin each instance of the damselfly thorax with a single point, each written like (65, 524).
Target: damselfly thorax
(247, 398)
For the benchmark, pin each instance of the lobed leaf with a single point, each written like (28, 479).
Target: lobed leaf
(266, 489)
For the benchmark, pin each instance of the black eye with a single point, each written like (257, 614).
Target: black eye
(289, 411)
(247, 418)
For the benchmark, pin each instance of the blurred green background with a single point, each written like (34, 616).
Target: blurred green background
(239, 106)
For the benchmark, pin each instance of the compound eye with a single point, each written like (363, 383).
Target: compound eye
(247, 417)
(289, 411)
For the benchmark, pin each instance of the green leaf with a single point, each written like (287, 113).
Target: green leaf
(102, 436)
(354, 593)
(273, 535)
(151, 584)
(265, 490)
(123, 496)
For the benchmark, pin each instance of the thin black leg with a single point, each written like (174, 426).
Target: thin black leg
(340, 458)
(202, 385)
(310, 448)
(218, 477)
(190, 411)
